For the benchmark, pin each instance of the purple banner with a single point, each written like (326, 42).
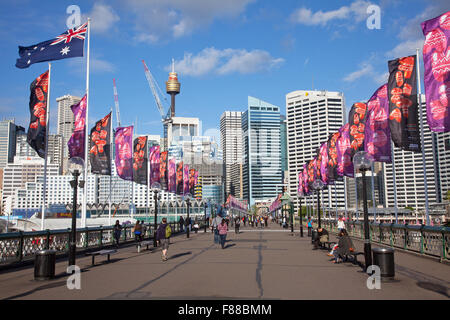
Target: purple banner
(300, 184)
(436, 58)
(76, 141)
(344, 158)
(154, 165)
(332, 157)
(172, 176)
(186, 179)
(324, 163)
(377, 140)
(124, 152)
(305, 180)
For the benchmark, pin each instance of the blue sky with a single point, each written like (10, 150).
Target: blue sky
(223, 51)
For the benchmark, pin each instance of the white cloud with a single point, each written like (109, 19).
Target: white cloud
(211, 60)
(368, 71)
(405, 48)
(355, 12)
(175, 18)
(103, 18)
(101, 66)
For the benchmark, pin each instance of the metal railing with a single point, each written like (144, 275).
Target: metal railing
(21, 246)
(426, 240)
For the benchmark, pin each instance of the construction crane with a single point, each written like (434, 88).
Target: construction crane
(116, 102)
(166, 119)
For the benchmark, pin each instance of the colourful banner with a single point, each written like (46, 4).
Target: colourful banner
(344, 157)
(300, 184)
(172, 176)
(332, 157)
(403, 113)
(179, 180)
(357, 120)
(306, 188)
(163, 176)
(377, 141)
(436, 59)
(140, 160)
(124, 156)
(76, 141)
(38, 114)
(324, 163)
(100, 146)
(155, 165)
(192, 181)
(186, 179)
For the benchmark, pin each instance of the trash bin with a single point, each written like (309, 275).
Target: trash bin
(44, 265)
(314, 236)
(384, 258)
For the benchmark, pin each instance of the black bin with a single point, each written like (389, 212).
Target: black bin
(44, 265)
(314, 236)
(384, 258)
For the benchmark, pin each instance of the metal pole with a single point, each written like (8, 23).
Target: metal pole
(422, 142)
(188, 204)
(367, 246)
(395, 186)
(318, 207)
(73, 234)
(345, 196)
(110, 166)
(373, 196)
(335, 199)
(155, 225)
(44, 196)
(301, 220)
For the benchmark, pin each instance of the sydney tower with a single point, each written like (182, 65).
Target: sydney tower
(172, 88)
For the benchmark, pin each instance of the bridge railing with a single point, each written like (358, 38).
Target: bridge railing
(426, 240)
(20, 246)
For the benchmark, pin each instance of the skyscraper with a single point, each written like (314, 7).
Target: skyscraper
(7, 142)
(261, 150)
(66, 123)
(231, 141)
(312, 116)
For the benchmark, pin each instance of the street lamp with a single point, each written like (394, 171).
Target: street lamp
(76, 167)
(363, 162)
(300, 195)
(318, 185)
(206, 205)
(156, 187)
(286, 204)
(187, 198)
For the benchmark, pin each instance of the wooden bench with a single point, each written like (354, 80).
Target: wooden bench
(354, 255)
(101, 253)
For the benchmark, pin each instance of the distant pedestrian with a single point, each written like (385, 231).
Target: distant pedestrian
(340, 224)
(117, 231)
(196, 226)
(181, 221)
(137, 229)
(309, 227)
(143, 230)
(214, 228)
(223, 229)
(237, 224)
(162, 235)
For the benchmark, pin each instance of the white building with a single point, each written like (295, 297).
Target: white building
(311, 117)
(231, 142)
(409, 173)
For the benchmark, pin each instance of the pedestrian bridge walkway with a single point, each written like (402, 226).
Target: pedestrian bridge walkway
(268, 263)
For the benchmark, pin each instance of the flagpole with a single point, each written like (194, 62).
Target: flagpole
(345, 195)
(84, 213)
(395, 185)
(47, 120)
(110, 166)
(335, 199)
(422, 138)
(373, 195)
(149, 172)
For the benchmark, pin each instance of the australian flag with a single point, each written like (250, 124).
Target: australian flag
(70, 44)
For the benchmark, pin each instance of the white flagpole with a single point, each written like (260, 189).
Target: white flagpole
(110, 166)
(335, 199)
(395, 185)
(44, 195)
(149, 172)
(373, 195)
(345, 196)
(86, 150)
(422, 138)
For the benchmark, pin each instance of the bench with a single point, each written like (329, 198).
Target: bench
(144, 243)
(328, 244)
(101, 253)
(354, 255)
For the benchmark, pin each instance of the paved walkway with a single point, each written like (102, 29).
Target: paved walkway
(256, 264)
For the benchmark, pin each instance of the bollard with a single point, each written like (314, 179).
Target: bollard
(384, 259)
(44, 265)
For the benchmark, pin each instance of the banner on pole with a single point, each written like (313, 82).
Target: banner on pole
(172, 184)
(77, 140)
(179, 181)
(36, 136)
(436, 61)
(403, 112)
(100, 146)
(163, 167)
(124, 156)
(344, 157)
(155, 165)
(140, 160)
(186, 180)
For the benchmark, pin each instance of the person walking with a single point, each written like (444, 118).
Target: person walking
(340, 223)
(117, 231)
(223, 230)
(237, 224)
(309, 224)
(181, 221)
(163, 234)
(214, 228)
(137, 233)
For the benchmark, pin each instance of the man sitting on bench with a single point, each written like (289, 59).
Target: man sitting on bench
(322, 237)
(345, 246)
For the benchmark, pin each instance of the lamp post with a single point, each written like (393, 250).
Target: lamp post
(76, 167)
(155, 187)
(300, 195)
(318, 185)
(187, 199)
(206, 205)
(286, 204)
(363, 162)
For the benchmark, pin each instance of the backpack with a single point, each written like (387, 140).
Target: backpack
(168, 231)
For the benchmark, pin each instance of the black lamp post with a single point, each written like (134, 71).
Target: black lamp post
(187, 199)
(318, 185)
(363, 162)
(76, 166)
(206, 205)
(301, 214)
(155, 187)
(286, 204)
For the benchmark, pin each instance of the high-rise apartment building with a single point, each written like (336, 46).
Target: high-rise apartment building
(231, 142)
(409, 174)
(261, 150)
(7, 142)
(66, 123)
(312, 116)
